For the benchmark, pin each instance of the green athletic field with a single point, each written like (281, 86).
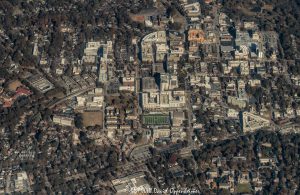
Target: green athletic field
(156, 119)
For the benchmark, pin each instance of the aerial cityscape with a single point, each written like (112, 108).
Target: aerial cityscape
(150, 97)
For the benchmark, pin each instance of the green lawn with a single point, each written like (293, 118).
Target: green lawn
(243, 188)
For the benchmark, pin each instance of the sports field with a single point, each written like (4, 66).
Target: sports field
(92, 119)
(156, 119)
(14, 85)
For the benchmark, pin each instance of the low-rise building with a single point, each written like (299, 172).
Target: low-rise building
(63, 120)
(252, 122)
(154, 47)
(128, 84)
(132, 183)
(193, 9)
(40, 83)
